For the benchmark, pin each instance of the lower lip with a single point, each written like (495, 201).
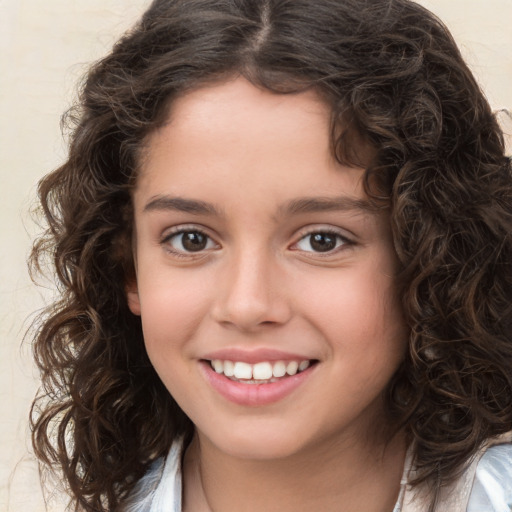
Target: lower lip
(254, 395)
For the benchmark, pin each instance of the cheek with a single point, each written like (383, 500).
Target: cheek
(353, 300)
(171, 313)
(360, 316)
(172, 308)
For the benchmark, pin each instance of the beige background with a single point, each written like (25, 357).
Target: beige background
(45, 47)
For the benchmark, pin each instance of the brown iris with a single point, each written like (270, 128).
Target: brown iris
(193, 241)
(322, 242)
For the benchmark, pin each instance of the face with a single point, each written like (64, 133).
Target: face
(265, 280)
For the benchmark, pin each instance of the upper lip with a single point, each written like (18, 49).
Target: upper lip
(255, 355)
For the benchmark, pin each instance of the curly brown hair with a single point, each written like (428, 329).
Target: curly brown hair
(391, 71)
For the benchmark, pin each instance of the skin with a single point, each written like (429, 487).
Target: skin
(243, 157)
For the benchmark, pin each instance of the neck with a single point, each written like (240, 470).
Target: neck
(361, 476)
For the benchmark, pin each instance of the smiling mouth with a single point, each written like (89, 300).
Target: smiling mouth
(260, 373)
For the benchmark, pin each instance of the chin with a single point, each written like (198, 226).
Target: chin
(261, 450)
(258, 442)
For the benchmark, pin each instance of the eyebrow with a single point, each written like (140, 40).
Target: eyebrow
(296, 206)
(180, 204)
(324, 204)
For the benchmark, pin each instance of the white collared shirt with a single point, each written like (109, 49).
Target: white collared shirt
(485, 486)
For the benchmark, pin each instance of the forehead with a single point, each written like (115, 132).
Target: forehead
(251, 111)
(248, 120)
(235, 137)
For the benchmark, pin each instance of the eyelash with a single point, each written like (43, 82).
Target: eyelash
(341, 241)
(182, 230)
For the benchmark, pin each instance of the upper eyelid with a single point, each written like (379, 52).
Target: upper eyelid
(167, 244)
(299, 234)
(322, 228)
(167, 236)
(348, 241)
(183, 228)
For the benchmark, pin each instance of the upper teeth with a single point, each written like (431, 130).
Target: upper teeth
(259, 371)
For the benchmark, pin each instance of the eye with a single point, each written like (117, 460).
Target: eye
(189, 241)
(321, 241)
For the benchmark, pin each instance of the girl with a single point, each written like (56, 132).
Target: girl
(283, 242)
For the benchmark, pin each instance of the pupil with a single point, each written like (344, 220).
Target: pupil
(193, 241)
(323, 242)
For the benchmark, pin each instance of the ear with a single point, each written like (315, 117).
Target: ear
(132, 296)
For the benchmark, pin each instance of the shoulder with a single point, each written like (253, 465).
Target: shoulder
(160, 488)
(484, 486)
(492, 484)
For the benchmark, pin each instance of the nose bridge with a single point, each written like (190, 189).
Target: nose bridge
(250, 296)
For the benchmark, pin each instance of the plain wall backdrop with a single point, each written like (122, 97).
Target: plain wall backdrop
(45, 48)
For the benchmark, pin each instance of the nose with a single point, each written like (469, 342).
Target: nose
(251, 293)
